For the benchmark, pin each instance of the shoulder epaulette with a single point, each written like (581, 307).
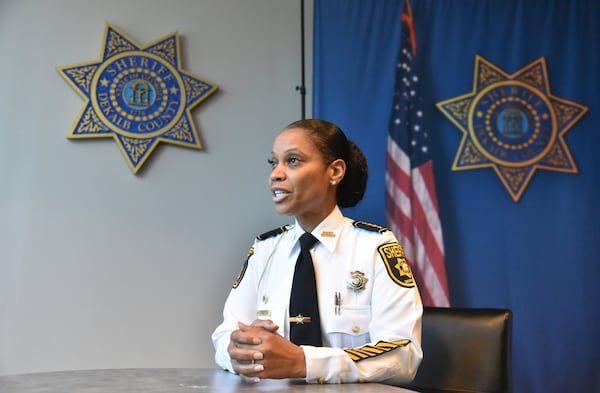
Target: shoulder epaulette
(271, 233)
(369, 227)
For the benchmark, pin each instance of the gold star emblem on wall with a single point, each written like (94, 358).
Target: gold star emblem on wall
(139, 95)
(513, 124)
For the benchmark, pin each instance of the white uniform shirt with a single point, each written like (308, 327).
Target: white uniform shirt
(387, 311)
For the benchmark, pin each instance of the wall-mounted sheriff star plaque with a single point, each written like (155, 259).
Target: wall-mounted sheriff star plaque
(513, 124)
(138, 95)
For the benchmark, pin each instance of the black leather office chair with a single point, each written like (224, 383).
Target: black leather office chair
(465, 350)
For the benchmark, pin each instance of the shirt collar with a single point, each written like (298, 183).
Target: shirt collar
(328, 230)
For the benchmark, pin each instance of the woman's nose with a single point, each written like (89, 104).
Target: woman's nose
(277, 174)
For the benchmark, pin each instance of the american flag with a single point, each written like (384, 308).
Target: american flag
(411, 201)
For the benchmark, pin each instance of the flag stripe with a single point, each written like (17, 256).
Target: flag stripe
(426, 206)
(428, 261)
(437, 289)
(396, 180)
(398, 209)
(428, 227)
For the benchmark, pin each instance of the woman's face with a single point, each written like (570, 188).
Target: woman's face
(300, 179)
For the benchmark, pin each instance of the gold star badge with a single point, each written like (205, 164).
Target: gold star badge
(513, 124)
(137, 95)
(357, 281)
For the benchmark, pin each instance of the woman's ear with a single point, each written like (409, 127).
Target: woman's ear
(338, 170)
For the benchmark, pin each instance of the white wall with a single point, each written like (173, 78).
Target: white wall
(101, 268)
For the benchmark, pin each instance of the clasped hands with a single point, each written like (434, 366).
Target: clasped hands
(258, 351)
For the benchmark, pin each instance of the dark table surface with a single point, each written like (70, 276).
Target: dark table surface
(166, 380)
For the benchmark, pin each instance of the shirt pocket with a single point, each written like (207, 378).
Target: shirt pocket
(352, 321)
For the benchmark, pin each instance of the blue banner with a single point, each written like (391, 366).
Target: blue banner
(510, 98)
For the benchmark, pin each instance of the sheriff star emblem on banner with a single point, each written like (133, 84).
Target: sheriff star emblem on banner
(513, 123)
(138, 95)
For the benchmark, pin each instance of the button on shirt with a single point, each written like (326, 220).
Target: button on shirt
(383, 311)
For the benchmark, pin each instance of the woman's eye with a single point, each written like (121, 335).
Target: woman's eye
(293, 160)
(272, 163)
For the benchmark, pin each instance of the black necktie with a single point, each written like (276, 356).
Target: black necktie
(305, 324)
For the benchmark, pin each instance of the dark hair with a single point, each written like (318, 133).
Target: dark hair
(333, 144)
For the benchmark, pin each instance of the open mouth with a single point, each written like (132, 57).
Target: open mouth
(278, 194)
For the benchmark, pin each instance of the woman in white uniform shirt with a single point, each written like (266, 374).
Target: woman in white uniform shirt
(370, 309)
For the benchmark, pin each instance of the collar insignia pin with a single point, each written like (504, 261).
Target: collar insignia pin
(300, 319)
